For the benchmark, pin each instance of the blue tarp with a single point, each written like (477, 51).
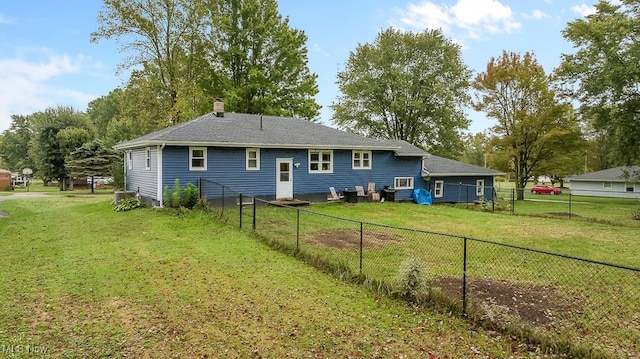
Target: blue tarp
(422, 196)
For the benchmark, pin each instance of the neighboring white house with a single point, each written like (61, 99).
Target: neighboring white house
(613, 182)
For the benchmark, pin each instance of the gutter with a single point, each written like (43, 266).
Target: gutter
(257, 145)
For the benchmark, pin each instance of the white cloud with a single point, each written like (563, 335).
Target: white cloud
(538, 15)
(25, 88)
(583, 9)
(467, 19)
(316, 48)
(423, 15)
(6, 20)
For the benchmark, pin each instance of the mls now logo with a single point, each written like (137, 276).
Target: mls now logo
(18, 349)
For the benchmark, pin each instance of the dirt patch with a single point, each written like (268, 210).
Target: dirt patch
(538, 305)
(4, 214)
(349, 239)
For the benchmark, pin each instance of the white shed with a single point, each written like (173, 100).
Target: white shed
(621, 182)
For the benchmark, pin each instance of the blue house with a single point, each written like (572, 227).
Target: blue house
(454, 182)
(269, 157)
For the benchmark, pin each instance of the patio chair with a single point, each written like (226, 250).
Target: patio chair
(362, 196)
(371, 191)
(333, 195)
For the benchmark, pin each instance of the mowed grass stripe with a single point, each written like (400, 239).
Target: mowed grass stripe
(84, 281)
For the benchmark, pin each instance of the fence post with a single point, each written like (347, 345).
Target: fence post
(297, 229)
(494, 197)
(240, 206)
(361, 237)
(464, 278)
(569, 204)
(254, 214)
(513, 200)
(199, 187)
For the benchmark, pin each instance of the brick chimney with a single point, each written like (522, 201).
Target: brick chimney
(218, 108)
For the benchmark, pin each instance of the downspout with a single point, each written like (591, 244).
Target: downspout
(125, 170)
(159, 175)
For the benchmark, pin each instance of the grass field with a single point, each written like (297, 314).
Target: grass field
(580, 302)
(81, 280)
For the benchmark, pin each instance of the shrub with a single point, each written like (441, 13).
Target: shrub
(189, 196)
(181, 197)
(127, 204)
(117, 173)
(166, 195)
(202, 205)
(177, 193)
(412, 277)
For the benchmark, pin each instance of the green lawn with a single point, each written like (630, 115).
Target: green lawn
(564, 296)
(81, 280)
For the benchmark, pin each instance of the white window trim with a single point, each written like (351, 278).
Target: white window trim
(130, 159)
(204, 151)
(257, 151)
(361, 160)
(410, 181)
(147, 158)
(440, 185)
(607, 185)
(320, 152)
(480, 187)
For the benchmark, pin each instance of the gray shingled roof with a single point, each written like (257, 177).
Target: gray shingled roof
(246, 130)
(440, 166)
(617, 174)
(404, 148)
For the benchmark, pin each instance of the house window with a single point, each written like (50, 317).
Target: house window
(197, 158)
(606, 185)
(629, 187)
(253, 159)
(403, 182)
(362, 160)
(480, 187)
(130, 159)
(438, 191)
(320, 161)
(147, 158)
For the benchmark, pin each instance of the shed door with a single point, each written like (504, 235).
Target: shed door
(284, 178)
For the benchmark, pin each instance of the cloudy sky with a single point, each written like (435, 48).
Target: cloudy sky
(47, 60)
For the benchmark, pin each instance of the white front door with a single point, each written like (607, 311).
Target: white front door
(284, 178)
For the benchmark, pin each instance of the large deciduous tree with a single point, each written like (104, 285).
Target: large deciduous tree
(186, 53)
(14, 147)
(604, 75)
(166, 39)
(259, 62)
(58, 132)
(476, 149)
(533, 125)
(406, 86)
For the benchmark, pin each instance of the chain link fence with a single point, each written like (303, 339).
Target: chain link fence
(568, 304)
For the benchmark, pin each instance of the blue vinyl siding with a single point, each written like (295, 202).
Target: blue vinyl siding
(228, 166)
(460, 188)
(138, 177)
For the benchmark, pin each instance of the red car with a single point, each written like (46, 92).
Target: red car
(543, 188)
